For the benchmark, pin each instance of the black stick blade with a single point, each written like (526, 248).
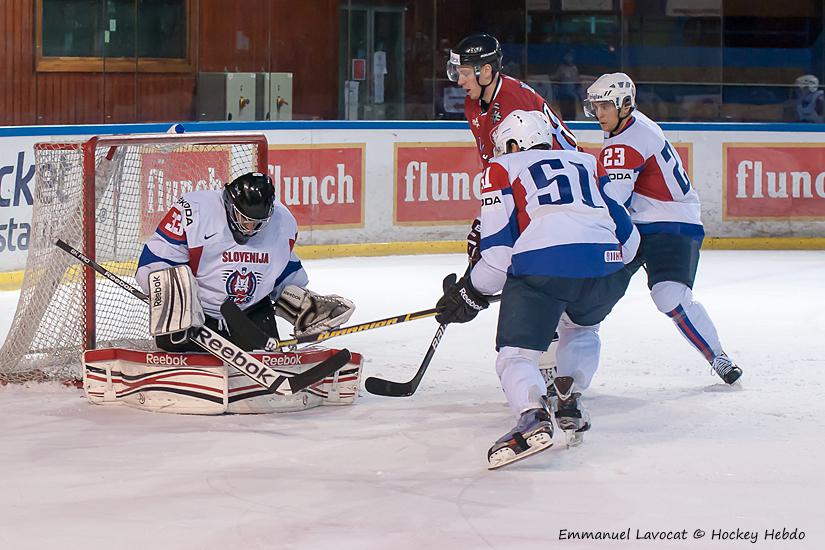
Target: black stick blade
(320, 371)
(388, 388)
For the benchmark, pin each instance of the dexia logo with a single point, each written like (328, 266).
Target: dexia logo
(234, 356)
(16, 192)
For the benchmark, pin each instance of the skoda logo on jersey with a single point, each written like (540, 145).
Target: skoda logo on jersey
(240, 286)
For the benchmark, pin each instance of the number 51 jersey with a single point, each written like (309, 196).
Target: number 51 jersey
(543, 212)
(647, 175)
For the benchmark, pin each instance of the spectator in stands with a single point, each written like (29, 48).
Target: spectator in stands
(810, 100)
(568, 92)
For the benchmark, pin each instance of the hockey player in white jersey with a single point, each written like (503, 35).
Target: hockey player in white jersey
(557, 246)
(646, 175)
(236, 244)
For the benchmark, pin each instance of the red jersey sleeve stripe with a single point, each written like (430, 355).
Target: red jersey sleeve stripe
(520, 198)
(497, 178)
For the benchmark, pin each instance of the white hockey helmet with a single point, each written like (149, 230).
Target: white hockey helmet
(615, 87)
(808, 81)
(526, 128)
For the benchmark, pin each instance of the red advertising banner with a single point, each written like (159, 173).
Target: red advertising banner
(773, 180)
(436, 183)
(322, 185)
(166, 176)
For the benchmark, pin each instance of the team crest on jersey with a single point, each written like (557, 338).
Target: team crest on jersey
(475, 122)
(241, 285)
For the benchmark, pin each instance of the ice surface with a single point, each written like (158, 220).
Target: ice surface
(671, 446)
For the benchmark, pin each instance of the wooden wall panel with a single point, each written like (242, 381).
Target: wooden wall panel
(276, 35)
(165, 98)
(120, 103)
(69, 98)
(234, 36)
(305, 43)
(17, 83)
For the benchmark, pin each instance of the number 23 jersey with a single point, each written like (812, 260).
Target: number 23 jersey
(647, 175)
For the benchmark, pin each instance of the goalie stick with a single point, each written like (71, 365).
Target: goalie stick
(275, 380)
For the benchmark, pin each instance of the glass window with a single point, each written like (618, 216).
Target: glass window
(95, 35)
(568, 48)
(772, 45)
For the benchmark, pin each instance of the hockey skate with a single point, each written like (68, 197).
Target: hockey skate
(726, 369)
(571, 416)
(533, 433)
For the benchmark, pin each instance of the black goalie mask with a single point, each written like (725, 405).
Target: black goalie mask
(249, 201)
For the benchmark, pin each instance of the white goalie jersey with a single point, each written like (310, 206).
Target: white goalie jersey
(195, 232)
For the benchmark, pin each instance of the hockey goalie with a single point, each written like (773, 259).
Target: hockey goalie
(232, 244)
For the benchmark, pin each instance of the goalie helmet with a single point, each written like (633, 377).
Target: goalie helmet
(614, 87)
(526, 128)
(249, 201)
(474, 51)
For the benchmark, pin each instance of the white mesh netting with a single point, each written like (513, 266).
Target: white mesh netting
(130, 185)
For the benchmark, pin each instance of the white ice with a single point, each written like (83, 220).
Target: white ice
(671, 447)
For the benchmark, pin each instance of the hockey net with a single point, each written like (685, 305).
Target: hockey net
(104, 196)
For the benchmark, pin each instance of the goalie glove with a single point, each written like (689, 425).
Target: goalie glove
(311, 313)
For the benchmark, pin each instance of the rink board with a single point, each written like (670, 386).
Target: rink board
(380, 183)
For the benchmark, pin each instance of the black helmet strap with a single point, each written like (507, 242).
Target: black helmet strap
(484, 104)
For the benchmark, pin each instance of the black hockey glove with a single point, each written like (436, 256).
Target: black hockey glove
(461, 301)
(474, 242)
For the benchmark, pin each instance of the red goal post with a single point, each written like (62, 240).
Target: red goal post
(104, 196)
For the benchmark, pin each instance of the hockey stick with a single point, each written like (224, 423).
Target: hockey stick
(258, 339)
(388, 388)
(275, 380)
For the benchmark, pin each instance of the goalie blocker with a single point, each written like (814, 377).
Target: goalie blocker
(198, 383)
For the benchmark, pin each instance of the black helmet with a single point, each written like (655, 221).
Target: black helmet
(249, 200)
(476, 50)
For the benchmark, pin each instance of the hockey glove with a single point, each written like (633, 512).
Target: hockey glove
(474, 242)
(311, 313)
(461, 301)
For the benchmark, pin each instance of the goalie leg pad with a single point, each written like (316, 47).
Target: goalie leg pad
(174, 304)
(311, 313)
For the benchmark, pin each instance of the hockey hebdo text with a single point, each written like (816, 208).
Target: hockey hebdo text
(752, 536)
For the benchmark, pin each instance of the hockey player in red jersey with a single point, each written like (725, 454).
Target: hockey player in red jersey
(646, 175)
(475, 65)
